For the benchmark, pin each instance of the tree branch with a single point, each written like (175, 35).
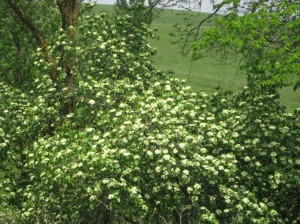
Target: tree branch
(37, 35)
(197, 29)
(29, 24)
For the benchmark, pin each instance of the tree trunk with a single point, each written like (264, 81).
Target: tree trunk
(69, 10)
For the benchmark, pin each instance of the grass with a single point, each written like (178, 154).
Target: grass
(204, 74)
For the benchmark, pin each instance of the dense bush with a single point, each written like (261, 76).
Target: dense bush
(167, 154)
(143, 148)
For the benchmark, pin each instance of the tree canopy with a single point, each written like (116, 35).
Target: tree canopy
(266, 35)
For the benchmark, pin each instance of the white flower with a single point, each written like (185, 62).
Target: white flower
(257, 163)
(149, 153)
(63, 141)
(106, 134)
(203, 150)
(158, 169)
(168, 87)
(247, 158)
(273, 154)
(92, 102)
(209, 157)
(246, 200)
(102, 46)
(95, 137)
(134, 190)
(111, 196)
(197, 186)
(167, 157)
(105, 181)
(226, 210)
(122, 105)
(186, 172)
(189, 189)
(235, 134)
(203, 125)
(181, 145)
(89, 130)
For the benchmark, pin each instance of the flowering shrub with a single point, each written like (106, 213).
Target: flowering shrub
(163, 153)
(143, 148)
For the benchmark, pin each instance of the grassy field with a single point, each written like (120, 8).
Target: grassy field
(204, 74)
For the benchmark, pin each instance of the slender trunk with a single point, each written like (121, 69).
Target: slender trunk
(69, 10)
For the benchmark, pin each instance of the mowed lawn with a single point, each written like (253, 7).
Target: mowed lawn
(207, 73)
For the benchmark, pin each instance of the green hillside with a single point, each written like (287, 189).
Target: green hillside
(204, 74)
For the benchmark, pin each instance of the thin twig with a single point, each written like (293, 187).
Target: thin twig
(197, 28)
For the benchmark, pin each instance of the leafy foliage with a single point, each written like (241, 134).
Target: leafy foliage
(265, 33)
(17, 44)
(137, 9)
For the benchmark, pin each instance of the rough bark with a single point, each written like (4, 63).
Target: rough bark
(69, 10)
